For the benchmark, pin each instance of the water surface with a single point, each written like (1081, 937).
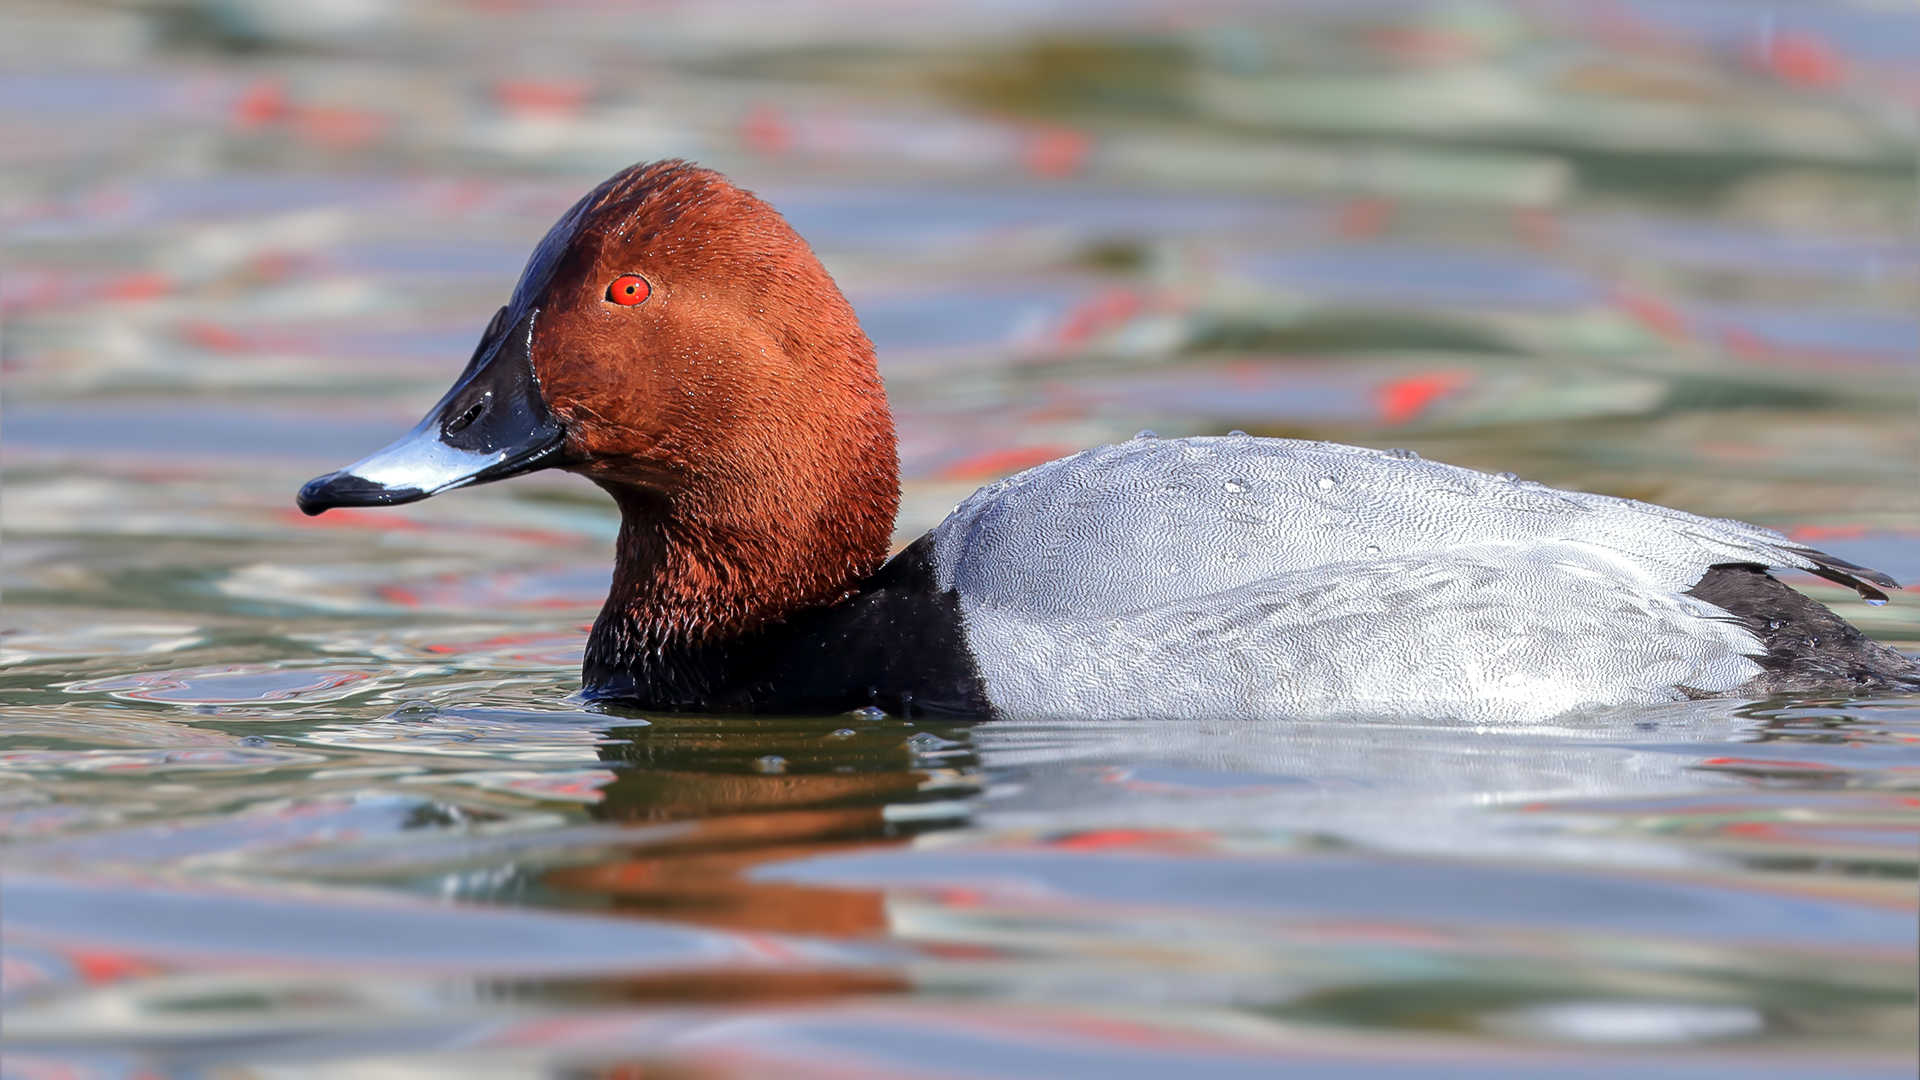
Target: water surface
(292, 797)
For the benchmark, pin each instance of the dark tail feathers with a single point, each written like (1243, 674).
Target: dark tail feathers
(1808, 648)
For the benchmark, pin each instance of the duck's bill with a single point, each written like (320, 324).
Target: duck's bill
(493, 424)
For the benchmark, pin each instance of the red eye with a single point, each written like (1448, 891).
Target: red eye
(628, 290)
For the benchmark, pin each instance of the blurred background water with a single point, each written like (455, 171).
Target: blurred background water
(291, 798)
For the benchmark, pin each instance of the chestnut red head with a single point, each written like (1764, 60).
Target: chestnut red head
(673, 339)
(692, 345)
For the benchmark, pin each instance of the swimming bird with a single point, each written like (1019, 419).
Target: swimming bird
(675, 341)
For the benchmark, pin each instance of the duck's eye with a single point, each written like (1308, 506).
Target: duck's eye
(628, 290)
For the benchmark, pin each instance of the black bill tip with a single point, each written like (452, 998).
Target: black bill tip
(345, 489)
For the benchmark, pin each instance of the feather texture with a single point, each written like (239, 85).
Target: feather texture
(1242, 577)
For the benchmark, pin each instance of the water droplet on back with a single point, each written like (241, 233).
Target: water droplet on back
(1509, 477)
(1403, 454)
(1236, 485)
(1145, 433)
(1327, 482)
(1237, 433)
(1373, 549)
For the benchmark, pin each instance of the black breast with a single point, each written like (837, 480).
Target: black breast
(899, 644)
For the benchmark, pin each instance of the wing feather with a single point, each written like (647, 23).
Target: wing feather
(1477, 633)
(1123, 527)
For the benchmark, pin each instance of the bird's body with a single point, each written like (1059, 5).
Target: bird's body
(1243, 577)
(720, 389)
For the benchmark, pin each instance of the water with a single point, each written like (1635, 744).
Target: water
(292, 797)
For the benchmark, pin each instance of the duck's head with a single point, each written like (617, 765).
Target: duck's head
(675, 340)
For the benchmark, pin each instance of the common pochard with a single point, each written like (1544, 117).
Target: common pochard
(676, 342)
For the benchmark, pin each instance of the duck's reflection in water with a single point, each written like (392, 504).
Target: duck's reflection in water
(749, 799)
(1274, 866)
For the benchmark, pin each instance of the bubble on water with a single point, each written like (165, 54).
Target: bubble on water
(870, 712)
(1237, 485)
(843, 733)
(927, 744)
(255, 740)
(770, 763)
(1327, 482)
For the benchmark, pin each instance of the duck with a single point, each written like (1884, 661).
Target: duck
(675, 341)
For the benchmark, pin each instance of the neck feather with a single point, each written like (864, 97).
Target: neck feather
(697, 579)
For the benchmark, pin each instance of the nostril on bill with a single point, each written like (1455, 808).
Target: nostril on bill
(465, 420)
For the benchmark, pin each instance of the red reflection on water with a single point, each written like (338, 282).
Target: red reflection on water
(1001, 462)
(542, 97)
(540, 648)
(1159, 840)
(31, 290)
(1796, 56)
(1055, 152)
(1361, 218)
(387, 520)
(1653, 313)
(1104, 311)
(1405, 400)
(260, 104)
